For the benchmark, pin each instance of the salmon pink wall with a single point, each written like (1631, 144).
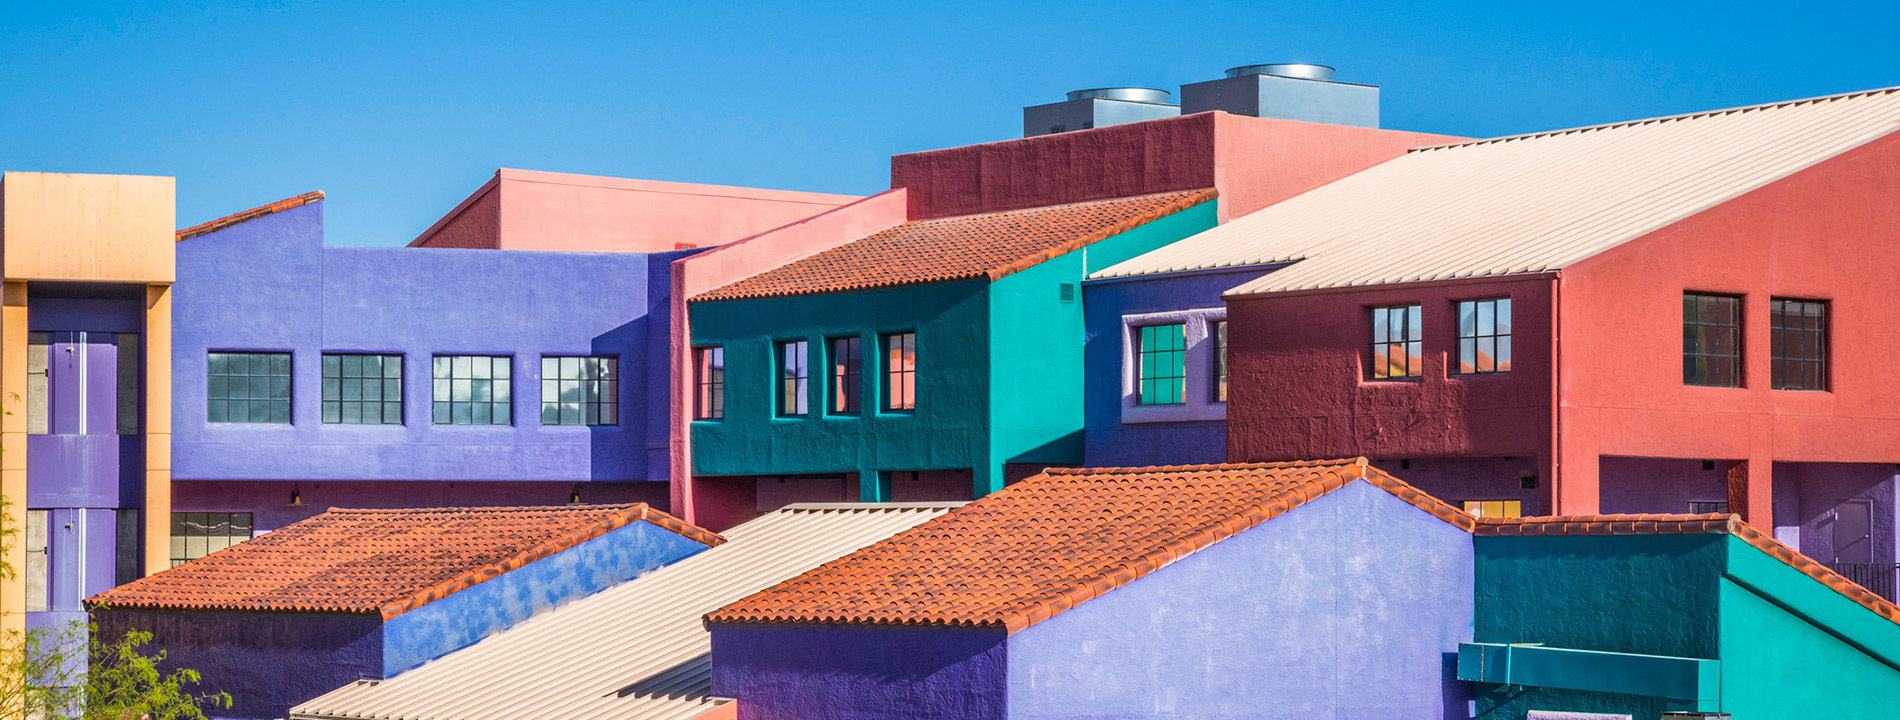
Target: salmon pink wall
(1298, 386)
(530, 210)
(1827, 232)
(1254, 162)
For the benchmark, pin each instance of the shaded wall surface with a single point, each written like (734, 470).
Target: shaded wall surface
(1347, 606)
(270, 285)
(269, 662)
(1112, 442)
(821, 672)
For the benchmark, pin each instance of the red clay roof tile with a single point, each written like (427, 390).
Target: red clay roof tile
(249, 215)
(990, 246)
(1713, 523)
(380, 561)
(1048, 543)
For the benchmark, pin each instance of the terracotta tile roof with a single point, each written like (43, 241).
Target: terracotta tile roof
(1714, 523)
(990, 245)
(251, 214)
(380, 561)
(1041, 546)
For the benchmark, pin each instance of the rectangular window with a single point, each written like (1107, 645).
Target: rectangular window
(362, 389)
(1397, 343)
(39, 388)
(1495, 508)
(128, 382)
(847, 371)
(1704, 507)
(1798, 343)
(580, 390)
(473, 390)
(248, 387)
(709, 381)
(1217, 331)
(1162, 375)
(793, 378)
(38, 561)
(125, 566)
(1711, 340)
(197, 534)
(900, 371)
(1484, 336)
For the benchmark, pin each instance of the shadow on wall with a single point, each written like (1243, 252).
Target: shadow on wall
(610, 457)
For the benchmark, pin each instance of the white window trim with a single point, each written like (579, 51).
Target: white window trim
(1200, 405)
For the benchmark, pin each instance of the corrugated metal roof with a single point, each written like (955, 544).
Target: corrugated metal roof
(636, 651)
(1525, 204)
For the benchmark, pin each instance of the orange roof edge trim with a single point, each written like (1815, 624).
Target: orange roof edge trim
(639, 512)
(1098, 236)
(249, 215)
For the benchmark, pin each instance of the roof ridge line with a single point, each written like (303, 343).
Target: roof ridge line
(1047, 254)
(635, 513)
(248, 215)
(1658, 119)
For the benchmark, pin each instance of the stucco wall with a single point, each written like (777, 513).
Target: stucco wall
(311, 299)
(946, 431)
(269, 501)
(1110, 442)
(461, 619)
(1813, 234)
(854, 673)
(1347, 606)
(269, 662)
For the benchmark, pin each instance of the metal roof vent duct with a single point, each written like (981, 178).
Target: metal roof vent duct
(1308, 71)
(1098, 107)
(1286, 91)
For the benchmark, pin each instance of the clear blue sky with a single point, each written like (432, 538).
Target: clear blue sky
(400, 109)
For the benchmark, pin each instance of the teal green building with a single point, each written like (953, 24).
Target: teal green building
(932, 361)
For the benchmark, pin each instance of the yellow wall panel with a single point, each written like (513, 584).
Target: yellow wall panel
(109, 228)
(158, 427)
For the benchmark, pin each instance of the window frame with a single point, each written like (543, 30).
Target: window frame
(1739, 329)
(846, 377)
(709, 383)
(1217, 335)
(1411, 339)
(893, 377)
(289, 386)
(1778, 334)
(323, 399)
(437, 390)
(1175, 357)
(791, 378)
(1474, 336)
(180, 551)
(604, 387)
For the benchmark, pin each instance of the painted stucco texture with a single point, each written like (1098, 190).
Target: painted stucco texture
(838, 672)
(267, 661)
(1345, 607)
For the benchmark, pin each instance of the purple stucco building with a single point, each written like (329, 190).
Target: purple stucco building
(308, 377)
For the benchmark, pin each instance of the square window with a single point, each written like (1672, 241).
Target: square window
(578, 390)
(357, 389)
(471, 390)
(248, 387)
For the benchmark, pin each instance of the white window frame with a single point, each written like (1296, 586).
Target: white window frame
(1200, 405)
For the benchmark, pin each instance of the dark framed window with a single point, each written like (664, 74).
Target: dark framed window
(847, 375)
(362, 389)
(794, 378)
(580, 390)
(1797, 332)
(1398, 336)
(473, 390)
(1704, 507)
(1161, 376)
(248, 387)
(1711, 340)
(1484, 336)
(1217, 331)
(900, 372)
(197, 534)
(709, 383)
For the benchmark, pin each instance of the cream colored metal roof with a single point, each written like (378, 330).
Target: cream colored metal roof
(636, 651)
(1524, 204)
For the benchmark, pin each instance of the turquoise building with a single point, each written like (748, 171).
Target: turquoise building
(932, 361)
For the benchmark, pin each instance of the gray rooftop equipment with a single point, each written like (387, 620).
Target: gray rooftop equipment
(1098, 107)
(1285, 91)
